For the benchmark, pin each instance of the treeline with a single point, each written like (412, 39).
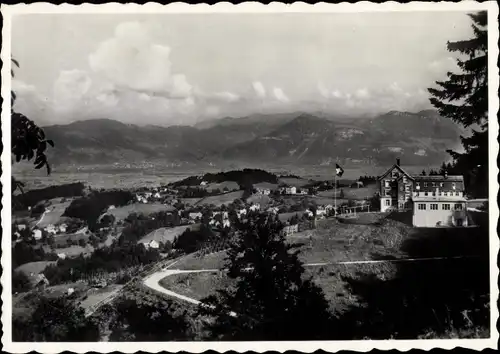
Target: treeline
(445, 167)
(194, 240)
(23, 253)
(196, 192)
(243, 177)
(91, 207)
(33, 197)
(103, 260)
(368, 179)
(140, 225)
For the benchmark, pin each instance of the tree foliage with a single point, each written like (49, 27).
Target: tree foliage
(463, 97)
(28, 140)
(271, 299)
(55, 320)
(136, 320)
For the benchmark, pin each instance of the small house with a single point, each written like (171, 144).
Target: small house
(37, 234)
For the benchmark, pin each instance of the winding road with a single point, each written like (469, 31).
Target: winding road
(153, 281)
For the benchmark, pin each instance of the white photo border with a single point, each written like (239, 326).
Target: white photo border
(8, 11)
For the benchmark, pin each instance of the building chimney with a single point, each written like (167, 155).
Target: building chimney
(398, 161)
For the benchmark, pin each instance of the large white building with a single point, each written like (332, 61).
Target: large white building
(434, 201)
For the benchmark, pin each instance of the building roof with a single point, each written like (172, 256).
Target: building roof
(439, 199)
(456, 178)
(395, 166)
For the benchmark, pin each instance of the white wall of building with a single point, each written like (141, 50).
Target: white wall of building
(435, 213)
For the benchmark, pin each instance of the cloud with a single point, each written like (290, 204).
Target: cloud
(22, 88)
(132, 61)
(442, 66)
(280, 95)
(337, 94)
(259, 88)
(323, 90)
(227, 96)
(362, 93)
(70, 88)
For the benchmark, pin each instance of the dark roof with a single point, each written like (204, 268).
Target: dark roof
(439, 178)
(390, 169)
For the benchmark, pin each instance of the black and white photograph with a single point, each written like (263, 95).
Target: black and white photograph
(249, 177)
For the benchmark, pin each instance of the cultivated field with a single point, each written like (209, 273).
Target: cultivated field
(34, 267)
(263, 200)
(230, 185)
(54, 215)
(75, 251)
(190, 201)
(121, 213)
(294, 182)
(167, 234)
(222, 199)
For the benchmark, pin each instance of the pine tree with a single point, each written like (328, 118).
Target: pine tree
(464, 99)
(271, 299)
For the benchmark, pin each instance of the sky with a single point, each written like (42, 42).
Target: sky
(180, 69)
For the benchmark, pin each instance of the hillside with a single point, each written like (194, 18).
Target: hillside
(420, 137)
(299, 138)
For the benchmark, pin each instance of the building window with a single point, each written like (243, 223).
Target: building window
(425, 184)
(453, 185)
(445, 194)
(446, 206)
(433, 184)
(387, 193)
(458, 206)
(434, 207)
(425, 193)
(421, 207)
(387, 203)
(441, 184)
(387, 184)
(433, 194)
(417, 194)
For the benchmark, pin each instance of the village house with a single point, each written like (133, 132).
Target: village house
(37, 234)
(21, 227)
(254, 207)
(291, 190)
(289, 230)
(263, 191)
(63, 228)
(51, 229)
(273, 210)
(153, 244)
(195, 216)
(434, 200)
(224, 214)
(241, 212)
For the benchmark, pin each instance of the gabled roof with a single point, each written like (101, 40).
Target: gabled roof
(390, 169)
(410, 177)
(455, 178)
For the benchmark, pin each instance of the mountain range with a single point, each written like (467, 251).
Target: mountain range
(296, 138)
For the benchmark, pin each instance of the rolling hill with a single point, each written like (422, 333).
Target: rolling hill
(299, 138)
